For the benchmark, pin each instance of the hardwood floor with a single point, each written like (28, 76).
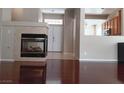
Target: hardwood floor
(60, 71)
(98, 73)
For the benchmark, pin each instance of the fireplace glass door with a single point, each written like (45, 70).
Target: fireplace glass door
(33, 45)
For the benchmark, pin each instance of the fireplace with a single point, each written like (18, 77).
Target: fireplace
(34, 45)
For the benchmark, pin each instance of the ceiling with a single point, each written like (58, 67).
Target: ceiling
(105, 11)
(100, 10)
(53, 10)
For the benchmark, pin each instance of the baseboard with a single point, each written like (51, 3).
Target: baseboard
(99, 60)
(7, 60)
(68, 53)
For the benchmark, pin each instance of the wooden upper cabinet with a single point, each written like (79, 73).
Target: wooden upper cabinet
(119, 23)
(114, 24)
(117, 26)
(115, 30)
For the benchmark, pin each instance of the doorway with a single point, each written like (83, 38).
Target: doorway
(55, 38)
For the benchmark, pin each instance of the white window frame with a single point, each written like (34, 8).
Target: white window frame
(54, 21)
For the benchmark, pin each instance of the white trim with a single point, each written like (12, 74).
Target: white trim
(30, 59)
(99, 60)
(16, 23)
(12, 60)
(70, 53)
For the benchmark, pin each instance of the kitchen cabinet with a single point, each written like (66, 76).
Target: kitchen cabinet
(115, 30)
(114, 24)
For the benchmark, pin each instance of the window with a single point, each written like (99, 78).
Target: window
(54, 21)
(93, 27)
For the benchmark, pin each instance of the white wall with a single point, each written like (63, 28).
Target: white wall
(0, 14)
(0, 29)
(7, 42)
(7, 32)
(21, 14)
(68, 30)
(0, 42)
(98, 48)
(72, 32)
(10, 39)
(6, 14)
(26, 14)
(53, 16)
(77, 33)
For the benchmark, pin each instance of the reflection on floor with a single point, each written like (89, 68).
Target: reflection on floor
(120, 73)
(60, 71)
(98, 73)
(33, 74)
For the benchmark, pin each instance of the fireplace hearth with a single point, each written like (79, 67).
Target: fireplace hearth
(34, 45)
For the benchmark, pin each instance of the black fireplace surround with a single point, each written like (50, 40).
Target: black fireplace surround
(34, 45)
